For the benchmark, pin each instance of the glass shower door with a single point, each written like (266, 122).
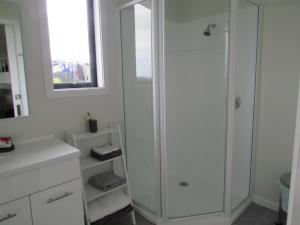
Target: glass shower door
(196, 109)
(138, 102)
(246, 50)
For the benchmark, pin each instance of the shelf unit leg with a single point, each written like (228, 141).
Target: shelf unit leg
(132, 215)
(125, 172)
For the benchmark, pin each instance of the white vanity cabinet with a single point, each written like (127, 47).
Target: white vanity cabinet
(16, 212)
(58, 205)
(40, 184)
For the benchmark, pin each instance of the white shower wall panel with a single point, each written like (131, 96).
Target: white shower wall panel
(196, 114)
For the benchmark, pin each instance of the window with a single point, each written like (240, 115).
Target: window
(75, 44)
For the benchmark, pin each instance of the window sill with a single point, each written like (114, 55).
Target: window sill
(71, 92)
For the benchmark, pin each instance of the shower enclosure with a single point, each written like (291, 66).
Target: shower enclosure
(189, 78)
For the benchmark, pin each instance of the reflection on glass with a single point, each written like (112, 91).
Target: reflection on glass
(138, 102)
(143, 42)
(6, 95)
(247, 28)
(13, 96)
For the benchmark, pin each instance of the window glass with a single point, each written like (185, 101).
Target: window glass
(71, 34)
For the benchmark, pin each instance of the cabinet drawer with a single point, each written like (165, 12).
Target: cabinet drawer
(59, 205)
(41, 178)
(16, 212)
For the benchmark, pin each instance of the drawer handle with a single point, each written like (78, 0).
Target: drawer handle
(59, 197)
(9, 216)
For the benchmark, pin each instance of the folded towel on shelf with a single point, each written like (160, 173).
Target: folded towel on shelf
(106, 152)
(106, 149)
(115, 217)
(106, 181)
(107, 205)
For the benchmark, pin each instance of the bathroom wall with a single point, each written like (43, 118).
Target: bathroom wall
(53, 116)
(195, 68)
(278, 99)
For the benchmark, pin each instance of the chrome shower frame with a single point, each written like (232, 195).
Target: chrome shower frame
(158, 56)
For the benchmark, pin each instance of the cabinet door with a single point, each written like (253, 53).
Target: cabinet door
(61, 205)
(16, 213)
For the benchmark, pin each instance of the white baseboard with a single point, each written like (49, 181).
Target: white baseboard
(266, 203)
(200, 220)
(194, 220)
(237, 212)
(148, 215)
(210, 221)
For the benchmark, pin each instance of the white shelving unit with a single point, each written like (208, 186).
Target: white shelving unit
(92, 193)
(87, 163)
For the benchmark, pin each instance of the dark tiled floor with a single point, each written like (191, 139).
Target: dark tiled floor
(254, 215)
(139, 221)
(257, 215)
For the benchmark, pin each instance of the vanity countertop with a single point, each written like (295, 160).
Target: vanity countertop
(36, 154)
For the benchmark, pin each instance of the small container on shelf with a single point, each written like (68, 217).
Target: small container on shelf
(92, 123)
(6, 144)
(93, 127)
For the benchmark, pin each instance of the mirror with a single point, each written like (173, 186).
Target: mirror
(13, 96)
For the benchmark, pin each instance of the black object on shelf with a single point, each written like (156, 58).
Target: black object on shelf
(93, 128)
(9, 149)
(107, 156)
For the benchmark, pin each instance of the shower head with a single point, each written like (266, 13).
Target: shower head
(207, 31)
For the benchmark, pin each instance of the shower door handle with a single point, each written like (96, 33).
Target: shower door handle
(238, 102)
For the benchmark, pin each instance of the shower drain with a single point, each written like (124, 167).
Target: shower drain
(183, 184)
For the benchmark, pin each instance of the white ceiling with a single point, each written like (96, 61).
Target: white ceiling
(274, 1)
(187, 10)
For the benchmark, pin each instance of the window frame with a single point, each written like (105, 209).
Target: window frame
(98, 30)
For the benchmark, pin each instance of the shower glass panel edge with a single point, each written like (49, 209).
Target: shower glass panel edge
(247, 47)
(141, 84)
